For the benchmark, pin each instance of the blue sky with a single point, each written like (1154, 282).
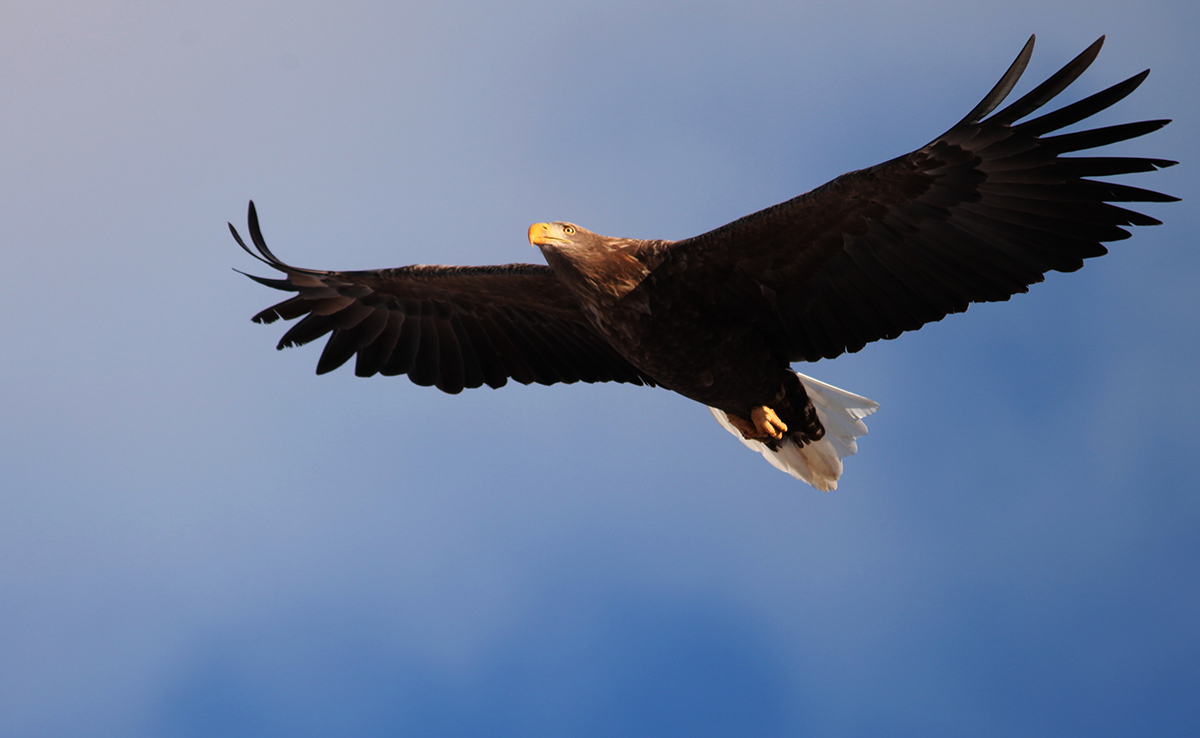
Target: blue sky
(200, 537)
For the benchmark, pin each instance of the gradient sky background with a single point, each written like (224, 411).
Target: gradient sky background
(199, 537)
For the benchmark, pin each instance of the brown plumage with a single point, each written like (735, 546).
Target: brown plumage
(977, 215)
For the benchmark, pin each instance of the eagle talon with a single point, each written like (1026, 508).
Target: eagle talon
(764, 423)
(768, 423)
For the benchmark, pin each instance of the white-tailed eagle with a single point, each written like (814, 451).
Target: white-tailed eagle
(977, 215)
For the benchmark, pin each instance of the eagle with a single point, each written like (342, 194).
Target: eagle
(977, 215)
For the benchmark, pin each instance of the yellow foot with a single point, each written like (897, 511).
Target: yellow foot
(764, 423)
(768, 423)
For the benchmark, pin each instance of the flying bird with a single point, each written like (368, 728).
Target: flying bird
(977, 215)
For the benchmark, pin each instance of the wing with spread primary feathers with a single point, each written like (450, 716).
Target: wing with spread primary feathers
(452, 327)
(978, 215)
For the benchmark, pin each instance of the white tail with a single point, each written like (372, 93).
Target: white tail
(820, 463)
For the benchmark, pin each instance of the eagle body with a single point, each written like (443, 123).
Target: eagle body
(713, 351)
(977, 215)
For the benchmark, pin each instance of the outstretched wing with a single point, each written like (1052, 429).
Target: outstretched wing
(978, 215)
(452, 327)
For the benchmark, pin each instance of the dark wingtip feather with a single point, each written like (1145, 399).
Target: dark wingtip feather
(1048, 90)
(1098, 137)
(1004, 86)
(256, 236)
(279, 284)
(338, 350)
(310, 328)
(1085, 108)
(1108, 166)
(1114, 192)
(266, 317)
(238, 237)
(264, 254)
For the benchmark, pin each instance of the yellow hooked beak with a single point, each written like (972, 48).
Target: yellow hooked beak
(547, 234)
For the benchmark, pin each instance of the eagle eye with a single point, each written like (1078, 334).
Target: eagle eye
(569, 230)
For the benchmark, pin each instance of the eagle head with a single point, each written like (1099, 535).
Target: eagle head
(559, 235)
(589, 261)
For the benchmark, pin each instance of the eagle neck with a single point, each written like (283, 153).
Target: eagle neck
(601, 271)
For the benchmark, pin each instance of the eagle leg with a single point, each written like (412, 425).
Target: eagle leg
(764, 423)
